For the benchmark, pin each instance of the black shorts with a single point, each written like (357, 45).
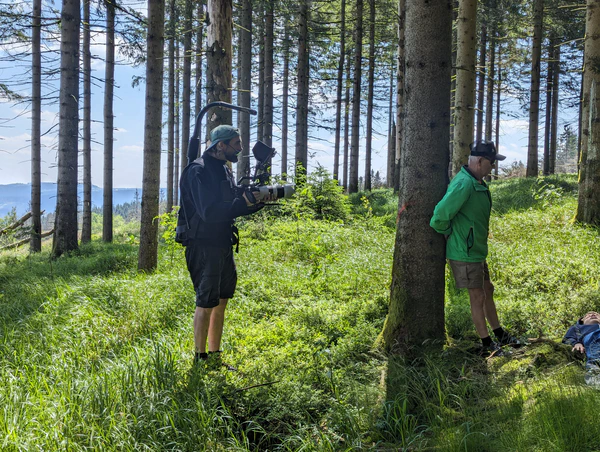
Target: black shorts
(213, 273)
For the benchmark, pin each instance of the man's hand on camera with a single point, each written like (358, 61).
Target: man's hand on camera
(247, 196)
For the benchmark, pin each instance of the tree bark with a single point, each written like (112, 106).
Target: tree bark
(187, 78)
(356, 86)
(260, 122)
(416, 312)
(268, 100)
(347, 121)
(303, 92)
(481, 82)
(35, 244)
(109, 83)
(489, 107)
(588, 204)
(245, 85)
(371, 89)
(218, 61)
(65, 234)
(199, 51)
(148, 251)
(86, 223)
(534, 101)
(555, 90)
(340, 87)
(464, 100)
(549, 113)
(285, 102)
(171, 188)
(391, 157)
(400, 68)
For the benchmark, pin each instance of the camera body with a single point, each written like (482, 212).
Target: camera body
(258, 191)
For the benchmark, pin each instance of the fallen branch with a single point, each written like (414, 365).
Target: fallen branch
(24, 241)
(17, 223)
(258, 385)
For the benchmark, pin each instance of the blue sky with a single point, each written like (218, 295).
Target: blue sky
(129, 123)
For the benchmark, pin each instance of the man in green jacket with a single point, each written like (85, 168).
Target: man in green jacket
(463, 216)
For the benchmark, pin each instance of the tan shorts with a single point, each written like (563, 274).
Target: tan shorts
(469, 275)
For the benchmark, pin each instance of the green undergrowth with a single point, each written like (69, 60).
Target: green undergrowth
(95, 356)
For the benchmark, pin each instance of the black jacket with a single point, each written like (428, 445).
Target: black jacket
(209, 203)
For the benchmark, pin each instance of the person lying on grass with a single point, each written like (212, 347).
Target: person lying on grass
(584, 336)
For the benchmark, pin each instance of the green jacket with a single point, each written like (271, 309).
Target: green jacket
(463, 215)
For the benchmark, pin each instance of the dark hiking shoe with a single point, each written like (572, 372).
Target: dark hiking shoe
(200, 357)
(508, 339)
(490, 351)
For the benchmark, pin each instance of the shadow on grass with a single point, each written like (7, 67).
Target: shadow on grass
(528, 399)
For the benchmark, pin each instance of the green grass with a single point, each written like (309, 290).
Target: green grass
(94, 356)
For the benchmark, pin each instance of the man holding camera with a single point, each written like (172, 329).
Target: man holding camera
(463, 216)
(210, 201)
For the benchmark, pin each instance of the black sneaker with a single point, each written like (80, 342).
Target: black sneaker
(491, 351)
(508, 339)
(200, 357)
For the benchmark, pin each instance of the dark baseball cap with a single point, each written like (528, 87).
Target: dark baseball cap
(487, 149)
(223, 132)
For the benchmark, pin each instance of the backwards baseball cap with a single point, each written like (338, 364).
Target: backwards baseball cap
(487, 149)
(222, 133)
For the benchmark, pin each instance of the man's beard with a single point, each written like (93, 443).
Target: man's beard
(233, 158)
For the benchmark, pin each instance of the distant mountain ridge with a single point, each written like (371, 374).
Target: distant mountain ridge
(19, 196)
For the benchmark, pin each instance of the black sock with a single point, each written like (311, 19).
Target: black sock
(486, 341)
(499, 332)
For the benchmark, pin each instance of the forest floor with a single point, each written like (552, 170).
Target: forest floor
(95, 356)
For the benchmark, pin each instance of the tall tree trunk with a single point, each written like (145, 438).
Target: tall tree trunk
(481, 82)
(416, 311)
(464, 100)
(355, 144)
(86, 223)
(35, 245)
(583, 101)
(245, 85)
(498, 93)
(391, 157)
(171, 188)
(177, 113)
(218, 60)
(345, 164)
(199, 50)
(260, 121)
(268, 82)
(65, 229)
(489, 107)
(371, 89)
(109, 83)
(555, 89)
(548, 121)
(340, 87)
(148, 251)
(187, 77)
(534, 101)
(303, 91)
(285, 101)
(400, 70)
(588, 204)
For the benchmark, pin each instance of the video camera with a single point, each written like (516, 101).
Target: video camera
(258, 190)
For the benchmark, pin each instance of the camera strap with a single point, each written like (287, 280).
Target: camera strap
(235, 237)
